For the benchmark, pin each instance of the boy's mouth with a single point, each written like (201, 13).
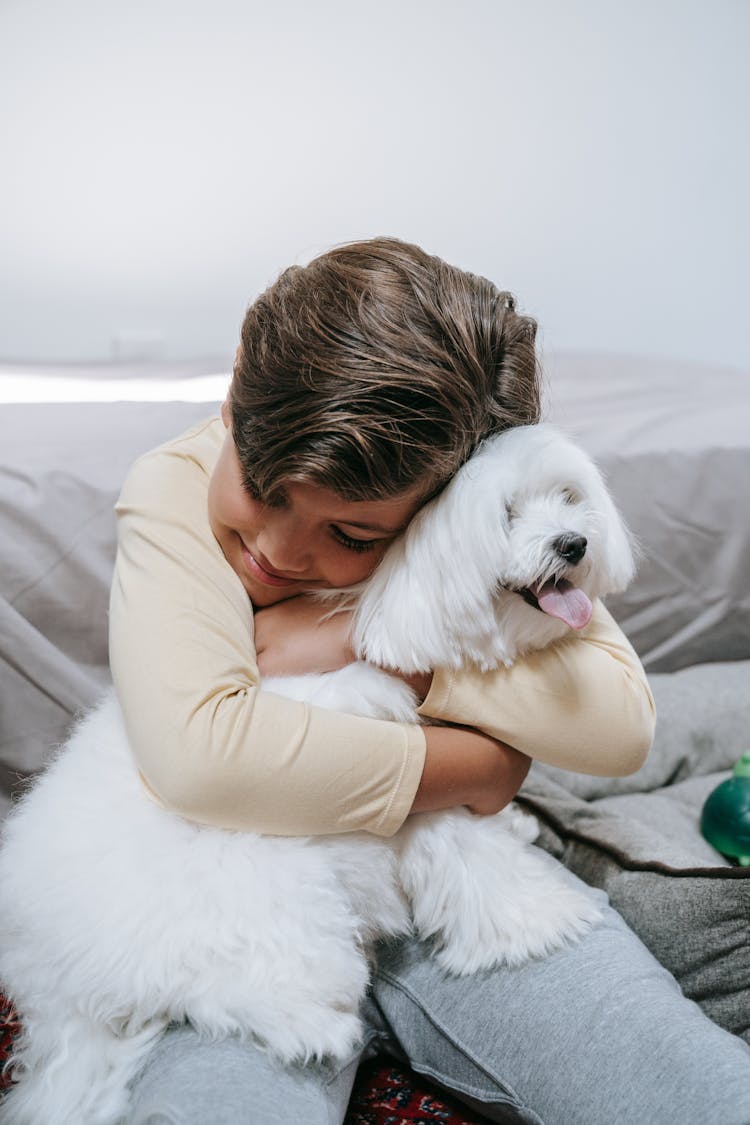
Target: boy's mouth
(263, 573)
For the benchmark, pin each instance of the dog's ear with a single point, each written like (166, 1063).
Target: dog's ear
(401, 620)
(436, 582)
(618, 548)
(623, 551)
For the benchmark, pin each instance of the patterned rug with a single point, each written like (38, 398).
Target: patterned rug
(390, 1094)
(9, 1028)
(384, 1093)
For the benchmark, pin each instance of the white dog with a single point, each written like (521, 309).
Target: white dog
(117, 917)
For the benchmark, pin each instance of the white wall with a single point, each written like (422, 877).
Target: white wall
(161, 160)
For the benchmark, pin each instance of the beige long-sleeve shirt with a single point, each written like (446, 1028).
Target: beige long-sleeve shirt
(213, 746)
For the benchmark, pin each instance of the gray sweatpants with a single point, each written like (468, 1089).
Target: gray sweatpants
(598, 1034)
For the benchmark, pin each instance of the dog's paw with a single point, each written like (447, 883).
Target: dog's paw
(322, 1033)
(509, 928)
(485, 896)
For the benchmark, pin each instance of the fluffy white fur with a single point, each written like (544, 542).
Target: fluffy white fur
(117, 916)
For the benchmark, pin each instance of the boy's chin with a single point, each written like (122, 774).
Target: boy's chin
(264, 598)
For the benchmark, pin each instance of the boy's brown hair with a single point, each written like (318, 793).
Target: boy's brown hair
(375, 368)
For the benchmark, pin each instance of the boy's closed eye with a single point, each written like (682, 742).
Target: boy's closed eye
(353, 544)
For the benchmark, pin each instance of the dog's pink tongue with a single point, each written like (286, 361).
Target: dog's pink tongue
(569, 604)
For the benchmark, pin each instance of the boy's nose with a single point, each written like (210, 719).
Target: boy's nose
(283, 552)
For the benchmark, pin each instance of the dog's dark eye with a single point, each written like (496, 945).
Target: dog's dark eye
(510, 512)
(570, 496)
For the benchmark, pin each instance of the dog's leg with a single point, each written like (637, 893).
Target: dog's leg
(73, 1071)
(484, 893)
(274, 950)
(300, 1009)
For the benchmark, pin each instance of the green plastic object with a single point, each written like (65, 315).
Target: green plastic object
(726, 814)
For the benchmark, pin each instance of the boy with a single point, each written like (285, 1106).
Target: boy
(362, 382)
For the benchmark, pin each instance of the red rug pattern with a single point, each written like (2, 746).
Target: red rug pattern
(390, 1094)
(9, 1028)
(384, 1093)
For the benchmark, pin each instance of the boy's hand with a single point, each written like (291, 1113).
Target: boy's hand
(294, 637)
(465, 767)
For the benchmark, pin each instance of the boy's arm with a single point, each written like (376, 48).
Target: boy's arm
(462, 765)
(214, 747)
(583, 704)
(208, 742)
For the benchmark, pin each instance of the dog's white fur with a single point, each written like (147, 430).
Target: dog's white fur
(117, 916)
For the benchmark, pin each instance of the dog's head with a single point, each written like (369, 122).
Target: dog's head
(508, 557)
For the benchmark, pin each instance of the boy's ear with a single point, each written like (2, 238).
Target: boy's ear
(226, 416)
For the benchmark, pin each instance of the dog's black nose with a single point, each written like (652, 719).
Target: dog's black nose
(571, 547)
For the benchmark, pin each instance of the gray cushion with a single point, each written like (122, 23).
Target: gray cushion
(702, 726)
(638, 838)
(61, 467)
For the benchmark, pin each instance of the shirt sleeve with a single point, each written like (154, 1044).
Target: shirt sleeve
(209, 743)
(582, 704)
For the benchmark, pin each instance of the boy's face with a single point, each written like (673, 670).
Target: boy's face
(315, 541)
